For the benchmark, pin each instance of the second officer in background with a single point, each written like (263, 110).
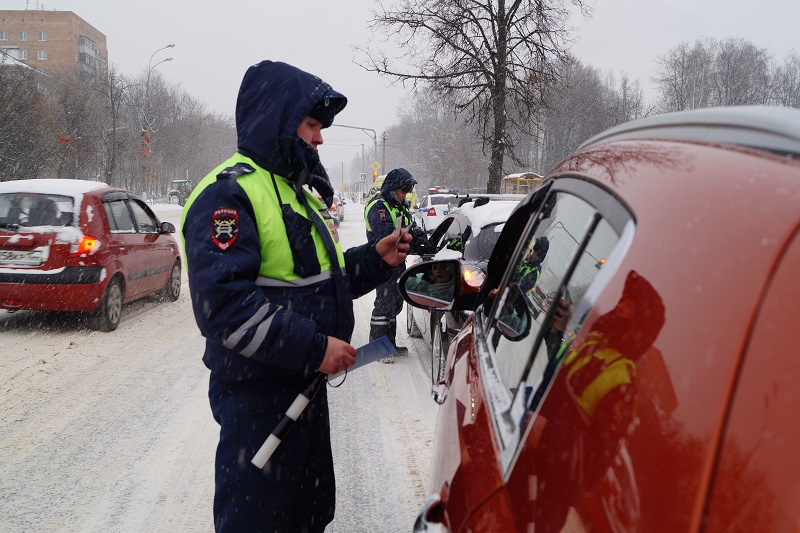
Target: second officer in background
(381, 215)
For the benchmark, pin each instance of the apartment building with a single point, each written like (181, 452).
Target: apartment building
(54, 41)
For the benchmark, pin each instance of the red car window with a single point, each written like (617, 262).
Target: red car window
(556, 263)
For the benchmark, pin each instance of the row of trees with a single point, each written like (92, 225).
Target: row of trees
(442, 146)
(712, 73)
(496, 91)
(64, 126)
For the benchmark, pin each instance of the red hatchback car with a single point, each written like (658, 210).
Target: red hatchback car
(73, 245)
(657, 386)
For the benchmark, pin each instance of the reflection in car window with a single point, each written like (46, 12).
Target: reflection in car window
(119, 218)
(563, 254)
(145, 221)
(455, 236)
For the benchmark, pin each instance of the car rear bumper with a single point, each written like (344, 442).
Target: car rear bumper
(65, 289)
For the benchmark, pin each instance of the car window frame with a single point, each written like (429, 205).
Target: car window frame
(617, 213)
(113, 227)
(128, 199)
(147, 211)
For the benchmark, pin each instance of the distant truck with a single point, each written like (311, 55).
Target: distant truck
(179, 192)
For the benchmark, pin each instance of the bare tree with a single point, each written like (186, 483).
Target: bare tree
(27, 139)
(685, 74)
(741, 74)
(714, 73)
(436, 146)
(785, 86)
(119, 119)
(483, 56)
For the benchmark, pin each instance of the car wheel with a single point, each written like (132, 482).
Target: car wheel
(437, 353)
(411, 326)
(175, 200)
(172, 289)
(107, 315)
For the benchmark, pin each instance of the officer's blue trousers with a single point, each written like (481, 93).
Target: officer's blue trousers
(388, 304)
(295, 492)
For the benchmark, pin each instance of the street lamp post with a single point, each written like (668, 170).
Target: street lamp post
(365, 130)
(147, 124)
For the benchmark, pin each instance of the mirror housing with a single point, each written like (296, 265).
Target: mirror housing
(441, 285)
(167, 227)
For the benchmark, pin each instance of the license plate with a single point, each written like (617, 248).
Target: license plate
(21, 257)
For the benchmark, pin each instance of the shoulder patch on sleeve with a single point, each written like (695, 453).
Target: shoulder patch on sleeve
(224, 227)
(382, 214)
(237, 170)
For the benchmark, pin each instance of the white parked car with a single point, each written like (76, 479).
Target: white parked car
(433, 209)
(468, 233)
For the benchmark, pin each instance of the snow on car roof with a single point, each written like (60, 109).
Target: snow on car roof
(490, 213)
(66, 187)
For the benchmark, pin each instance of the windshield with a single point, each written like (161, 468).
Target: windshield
(441, 200)
(480, 246)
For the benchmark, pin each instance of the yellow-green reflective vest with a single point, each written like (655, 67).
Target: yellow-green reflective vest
(406, 220)
(277, 264)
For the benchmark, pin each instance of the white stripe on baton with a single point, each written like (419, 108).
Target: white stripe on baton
(292, 414)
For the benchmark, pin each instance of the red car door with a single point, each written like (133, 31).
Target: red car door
(525, 344)
(154, 250)
(757, 478)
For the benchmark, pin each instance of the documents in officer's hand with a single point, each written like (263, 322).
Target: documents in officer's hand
(376, 350)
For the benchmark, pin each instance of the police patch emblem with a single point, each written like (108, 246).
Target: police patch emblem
(382, 214)
(224, 227)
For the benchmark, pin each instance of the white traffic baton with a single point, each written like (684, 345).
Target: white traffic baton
(292, 414)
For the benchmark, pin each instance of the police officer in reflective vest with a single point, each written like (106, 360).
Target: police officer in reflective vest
(382, 213)
(272, 293)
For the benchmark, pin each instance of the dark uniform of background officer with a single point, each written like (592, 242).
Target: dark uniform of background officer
(381, 214)
(272, 294)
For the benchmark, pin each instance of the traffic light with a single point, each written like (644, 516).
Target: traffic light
(374, 175)
(146, 143)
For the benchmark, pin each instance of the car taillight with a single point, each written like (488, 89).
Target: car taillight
(473, 279)
(88, 245)
(432, 212)
(334, 207)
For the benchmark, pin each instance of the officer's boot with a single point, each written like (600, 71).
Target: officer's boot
(401, 350)
(378, 327)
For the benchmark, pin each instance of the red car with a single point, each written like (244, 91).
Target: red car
(73, 245)
(657, 389)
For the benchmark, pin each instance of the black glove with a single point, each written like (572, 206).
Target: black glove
(422, 246)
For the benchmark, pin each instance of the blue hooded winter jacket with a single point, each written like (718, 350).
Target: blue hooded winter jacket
(253, 331)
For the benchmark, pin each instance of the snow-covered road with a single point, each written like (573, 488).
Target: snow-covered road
(112, 431)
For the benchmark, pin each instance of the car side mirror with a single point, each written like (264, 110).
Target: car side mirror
(514, 319)
(432, 284)
(167, 227)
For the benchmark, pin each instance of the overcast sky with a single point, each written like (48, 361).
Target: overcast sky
(216, 40)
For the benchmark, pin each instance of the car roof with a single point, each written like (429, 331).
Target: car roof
(776, 129)
(66, 187)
